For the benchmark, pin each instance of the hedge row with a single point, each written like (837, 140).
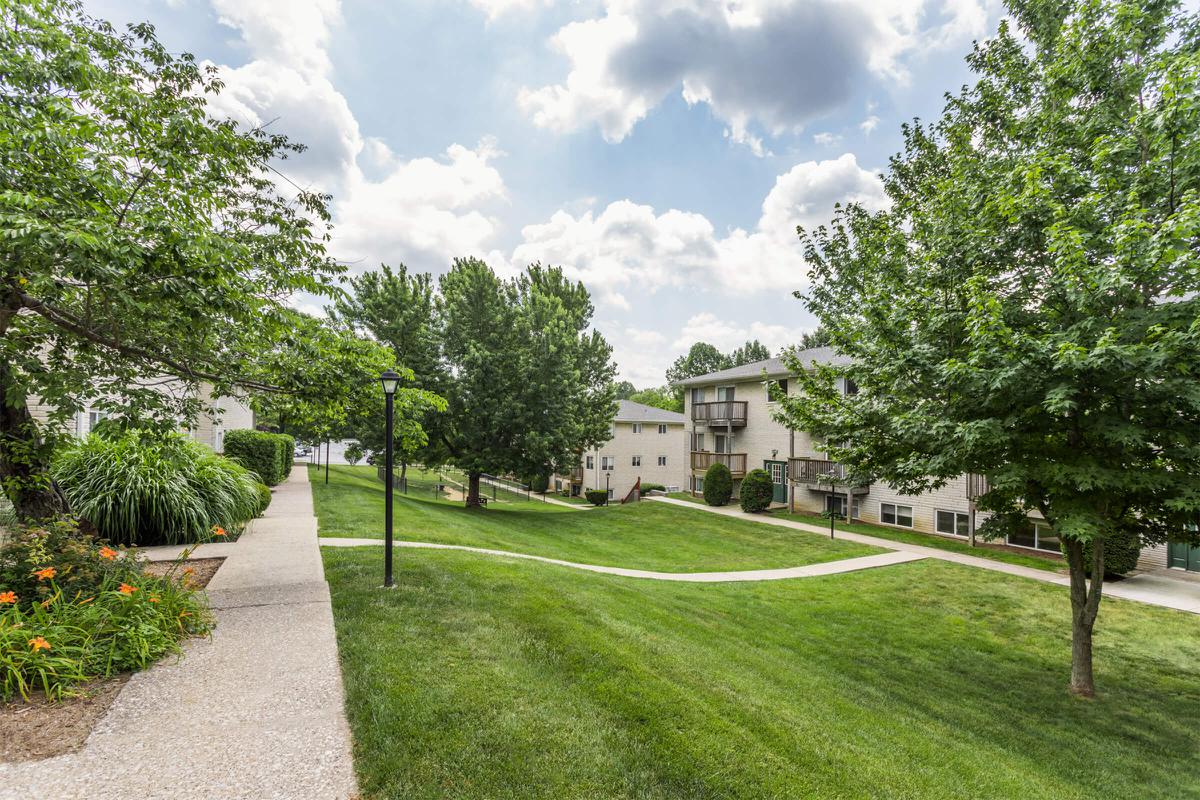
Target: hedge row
(269, 455)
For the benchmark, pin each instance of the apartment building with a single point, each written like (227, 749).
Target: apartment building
(647, 443)
(221, 414)
(729, 420)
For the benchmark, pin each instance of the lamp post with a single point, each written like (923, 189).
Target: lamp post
(390, 381)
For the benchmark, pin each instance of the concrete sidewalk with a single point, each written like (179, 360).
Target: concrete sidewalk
(1155, 590)
(254, 712)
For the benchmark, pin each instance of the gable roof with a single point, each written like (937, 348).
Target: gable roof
(629, 411)
(774, 367)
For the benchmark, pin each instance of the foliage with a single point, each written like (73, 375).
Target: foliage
(596, 497)
(264, 497)
(531, 382)
(539, 483)
(659, 397)
(701, 359)
(718, 485)
(149, 488)
(143, 238)
(817, 337)
(653, 487)
(1027, 307)
(257, 451)
(756, 491)
(624, 390)
(85, 620)
(749, 353)
(1121, 554)
(287, 453)
(354, 453)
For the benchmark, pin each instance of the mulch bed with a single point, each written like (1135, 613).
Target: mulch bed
(42, 729)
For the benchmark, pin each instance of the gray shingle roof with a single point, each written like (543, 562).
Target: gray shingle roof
(774, 368)
(629, 411)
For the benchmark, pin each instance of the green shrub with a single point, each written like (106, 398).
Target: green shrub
(653, 487)
(539, 484)
(258, 452)
(1120, 555)
(141, 488)
(91, 612)
(287, 453)
(756, 491)
(596, 497)
(354, 454)
(264, 497)
(718, 485)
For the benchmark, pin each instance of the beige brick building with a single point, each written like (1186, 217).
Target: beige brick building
(729, 419)
(647, 443)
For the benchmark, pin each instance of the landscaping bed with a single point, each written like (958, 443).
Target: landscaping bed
(40, 728)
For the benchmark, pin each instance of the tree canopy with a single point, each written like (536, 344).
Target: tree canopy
(1027, 308)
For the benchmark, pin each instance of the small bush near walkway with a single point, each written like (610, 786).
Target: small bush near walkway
(756, 491)
(260, 452)
(718, 485)
(73, 608)
(596, 497)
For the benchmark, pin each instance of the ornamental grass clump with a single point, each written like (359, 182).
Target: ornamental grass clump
(141, 488)
(73, 609)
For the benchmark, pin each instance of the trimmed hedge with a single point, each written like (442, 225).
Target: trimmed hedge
(596, 497)
(1120, 555)
(757, 491)
(718, 485)
(653, 487)
(259, 452)
(287, 450)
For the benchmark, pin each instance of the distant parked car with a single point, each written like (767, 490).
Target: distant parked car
(302, 450)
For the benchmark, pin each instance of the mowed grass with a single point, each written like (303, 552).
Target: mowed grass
(484, 677)
(646, 535)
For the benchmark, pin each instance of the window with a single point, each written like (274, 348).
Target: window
(610, 494)
(637, 461)
(698, 441)
(724, 393)
(851, 386)
(662, 429)
(637, 427)
(219, 438)
(780, 384)
(893, 514)
(697, 396)
(591, 462)
(606, 463)
(1037, 535)
(662, 461)
(953, 523)
(699, 484)
(837, 504)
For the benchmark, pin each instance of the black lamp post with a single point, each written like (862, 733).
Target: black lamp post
(390, 381)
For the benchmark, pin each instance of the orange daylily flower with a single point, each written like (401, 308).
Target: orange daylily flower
(8, 597)
(219, 531)
(45, 574)
(85, 602)
(153, 599)
(189, 571)
(107, 553)
(127, 589)
(38, 643)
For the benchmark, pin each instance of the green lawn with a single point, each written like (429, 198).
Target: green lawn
(928, 540)
(645, 535)
(490, 678)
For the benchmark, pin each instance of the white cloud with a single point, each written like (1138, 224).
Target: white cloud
(629, 246)
(826, 139)
(773, 63)
(869, 124)
(727, 334)
(421, 210)
(498, 8)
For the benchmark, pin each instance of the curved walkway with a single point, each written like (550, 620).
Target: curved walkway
(806, 571)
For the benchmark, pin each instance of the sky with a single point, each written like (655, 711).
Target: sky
(661, 151)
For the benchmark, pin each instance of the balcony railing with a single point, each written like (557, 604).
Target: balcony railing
(577, 475)
(820, 470)
(702, 460)
(720, 412)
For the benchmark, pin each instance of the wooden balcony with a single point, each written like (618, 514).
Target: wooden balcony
(577, 475)
(730, 413)
(815, 471)
(702, 460)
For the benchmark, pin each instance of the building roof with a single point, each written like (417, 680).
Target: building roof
(629, 411)
(774, 368)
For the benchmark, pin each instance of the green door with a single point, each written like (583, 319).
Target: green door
(778, 472)
(1180, 556)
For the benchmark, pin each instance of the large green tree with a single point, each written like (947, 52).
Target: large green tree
(659, 397)
(1027, 308)
(531, 384)
(749, 353)
(147, 250)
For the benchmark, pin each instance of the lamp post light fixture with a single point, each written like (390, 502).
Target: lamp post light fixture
(390, 381)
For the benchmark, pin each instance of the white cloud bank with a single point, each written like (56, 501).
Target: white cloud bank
(774, 63)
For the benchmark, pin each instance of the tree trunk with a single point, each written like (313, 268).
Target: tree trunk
(473, 500)
(1085, 603)
(25, 458)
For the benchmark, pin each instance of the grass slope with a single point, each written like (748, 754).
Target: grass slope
(485, 678)
(641, 536)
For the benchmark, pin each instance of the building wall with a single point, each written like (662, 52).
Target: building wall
(649, 444)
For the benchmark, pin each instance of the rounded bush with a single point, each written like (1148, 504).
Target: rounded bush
(653, 487)
(596, 497)
(538, 484)
(1120, 555)
(718, 485)
(757, 491)
(354, 453)
(264, 498)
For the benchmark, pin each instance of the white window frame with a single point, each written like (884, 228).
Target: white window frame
(637, 461)
(731, 389)
(662, 429)
(662, 461)
(637, 427)
(697, 395)
(1038, 525)
(607, 463)
(955, 516)
(896, 523)
(591, 462)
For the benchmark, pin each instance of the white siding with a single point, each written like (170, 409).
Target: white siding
(649, 444)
